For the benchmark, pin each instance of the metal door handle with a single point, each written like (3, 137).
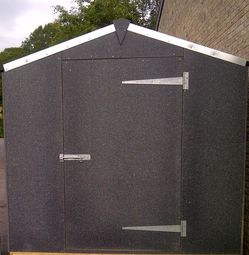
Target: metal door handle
(78, 157)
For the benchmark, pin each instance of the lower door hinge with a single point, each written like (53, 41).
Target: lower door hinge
(182, 228)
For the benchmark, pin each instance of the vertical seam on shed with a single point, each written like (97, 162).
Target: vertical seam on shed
(243, 222)
(6, 175)
(181, 198)
(64, 177)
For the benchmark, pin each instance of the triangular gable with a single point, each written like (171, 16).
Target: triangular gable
(132, 28)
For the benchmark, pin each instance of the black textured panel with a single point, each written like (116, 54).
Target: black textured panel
(121, 26)
(133, 46)
(213, 154)
(33, 130)
(133, 133)
(3, 202)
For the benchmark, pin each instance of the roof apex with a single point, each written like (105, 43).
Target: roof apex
(120, 27)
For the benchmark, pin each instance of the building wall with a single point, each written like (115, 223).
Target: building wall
(218, 24)
(3, 201)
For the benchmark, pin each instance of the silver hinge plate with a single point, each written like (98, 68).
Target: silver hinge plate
(77, 157)
(182, 81)
(185, 80)
(182, 228)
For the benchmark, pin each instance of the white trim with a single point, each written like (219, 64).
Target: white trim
(59, 47)
(132, 28)
(186, 44)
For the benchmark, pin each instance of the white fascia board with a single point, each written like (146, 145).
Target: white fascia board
(59, 47)
(186, 44)
(132, 28)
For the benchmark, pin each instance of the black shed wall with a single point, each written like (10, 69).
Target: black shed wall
(213, 145)
(3, 201)
(213, 154)
(33, 135)
(34, 138)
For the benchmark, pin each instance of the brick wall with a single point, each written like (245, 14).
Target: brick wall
(218, 24)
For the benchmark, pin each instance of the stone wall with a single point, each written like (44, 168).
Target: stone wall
(218, 24)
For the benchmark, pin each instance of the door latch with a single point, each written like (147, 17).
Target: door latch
(77, 157)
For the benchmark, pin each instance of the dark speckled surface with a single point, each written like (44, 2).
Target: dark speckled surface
(212, 151)
(133, 133)
(3, 201)
(33, 122)
(213, 154)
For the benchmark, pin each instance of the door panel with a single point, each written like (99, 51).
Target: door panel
(133, 134)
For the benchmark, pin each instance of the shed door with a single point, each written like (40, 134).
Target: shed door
(125, 193)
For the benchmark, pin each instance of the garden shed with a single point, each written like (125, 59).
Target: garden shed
(125, 140)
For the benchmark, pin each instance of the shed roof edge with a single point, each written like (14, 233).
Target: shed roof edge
(59, 47)
(186, 44)
(132, 28)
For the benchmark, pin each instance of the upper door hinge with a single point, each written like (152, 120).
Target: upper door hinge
(182, 81)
